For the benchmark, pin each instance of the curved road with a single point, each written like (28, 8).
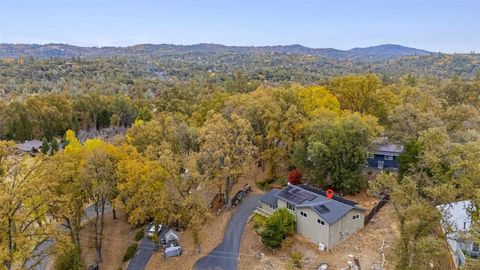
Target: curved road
(145, 250)
(225, 256)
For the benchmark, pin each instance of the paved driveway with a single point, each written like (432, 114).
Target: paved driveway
(145, 250)
(225, 256)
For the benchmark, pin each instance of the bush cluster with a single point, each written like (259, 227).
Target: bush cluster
(277, 227)
(139, 234)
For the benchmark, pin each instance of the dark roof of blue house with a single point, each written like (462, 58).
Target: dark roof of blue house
(387, 149)
(269, 198)
(305, 196)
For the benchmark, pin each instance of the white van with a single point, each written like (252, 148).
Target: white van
(172, 251)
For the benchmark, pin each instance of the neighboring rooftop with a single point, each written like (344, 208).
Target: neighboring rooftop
(456, 222)
(456, 215)
(387, 149)
(316, 199)
(28, 146)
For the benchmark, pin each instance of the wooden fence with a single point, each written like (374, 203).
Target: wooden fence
(383, 200)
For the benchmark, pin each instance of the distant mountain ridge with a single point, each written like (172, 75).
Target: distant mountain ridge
(380, 52)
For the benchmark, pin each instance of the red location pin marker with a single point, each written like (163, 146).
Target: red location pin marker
(329, 193)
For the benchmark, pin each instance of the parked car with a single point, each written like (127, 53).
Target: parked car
(172, 251)
(242, 193)
(151, 230)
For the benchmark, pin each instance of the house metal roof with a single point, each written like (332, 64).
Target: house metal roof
(324, 194)
(330, 210)
(269, 198)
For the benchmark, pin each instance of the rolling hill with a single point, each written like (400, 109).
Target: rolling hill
(380, 52)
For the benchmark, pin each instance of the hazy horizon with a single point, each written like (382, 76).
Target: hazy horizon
(434, 25)
(208, 43)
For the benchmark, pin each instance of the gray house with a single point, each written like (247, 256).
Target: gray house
(324, 221)
(457, 221)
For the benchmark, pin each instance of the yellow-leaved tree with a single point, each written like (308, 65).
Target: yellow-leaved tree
(25, 228)
(318, 98)
(83, 175)
(226, 150)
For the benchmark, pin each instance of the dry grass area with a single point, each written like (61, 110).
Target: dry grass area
(363, 200)
(255, 256)
(256, 174)
(116, 238)
(364, 245)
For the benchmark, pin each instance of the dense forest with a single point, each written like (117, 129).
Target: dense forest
(218, 63)
(197, 121)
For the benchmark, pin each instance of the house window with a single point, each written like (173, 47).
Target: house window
(273, 207)
(291, 206)
(464, 225)
(321, 222)
(303, 214)
(355, 217)
(387, 157)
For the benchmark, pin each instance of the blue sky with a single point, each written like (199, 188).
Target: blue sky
(441, 25)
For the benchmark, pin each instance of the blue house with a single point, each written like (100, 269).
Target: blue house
(384, 156)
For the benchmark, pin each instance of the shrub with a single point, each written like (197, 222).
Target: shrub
(258, 222)
(409, 157)
(70, 259)
(282, 181)
(294, 177)
(139, 235)
(130, 252)
(45, 146)
(53, 146)
(287, 243)
(280, 225)
(296, 257)
(263, 185)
